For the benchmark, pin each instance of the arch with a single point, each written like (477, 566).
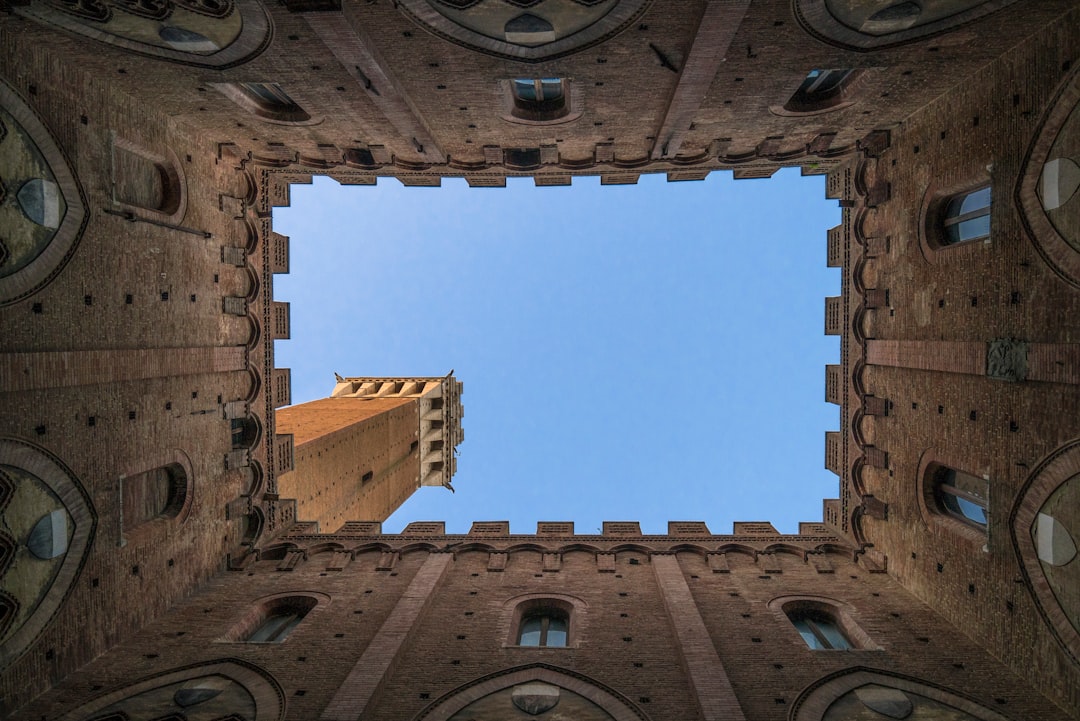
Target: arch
(861, 28)
(531, 37)
(277, 551)
(786, 548)
(267, 101)
(815, 702)
(584, 547)
(419, 546)
(1041, 512)
(617, 706)
(1048, 177)
(151, 185)
(371, 547)
(252, 527)
(246, 432)
(181, 491)
(843, 615)
(52, 518)
(693, 548)
(45, 222)
(737, 548)
(255, 689)
(286, 608)
(216, 34)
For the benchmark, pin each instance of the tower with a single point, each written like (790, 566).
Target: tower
(360, 453)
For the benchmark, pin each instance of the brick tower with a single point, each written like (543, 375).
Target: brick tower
(361, 453)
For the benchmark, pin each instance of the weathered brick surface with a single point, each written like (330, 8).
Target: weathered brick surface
(156, 324)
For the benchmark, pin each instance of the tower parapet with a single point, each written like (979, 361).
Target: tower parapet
(440, 413)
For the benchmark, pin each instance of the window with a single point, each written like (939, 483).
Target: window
(966, 217)
(539, 99)
(158, 493)
(547, 629)
(269, 101)
(821, 90)
(818, 629)
(961, 495)
(276, 628)
(272, 621)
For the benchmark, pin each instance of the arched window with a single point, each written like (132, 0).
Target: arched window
(145, 181)
(157, 493)
(539, 99)
(818, 628)
(821, 90)
(274, 620)
(961, 495)
(269, 101)
(966, 217)
(548, 628)
(276, 628)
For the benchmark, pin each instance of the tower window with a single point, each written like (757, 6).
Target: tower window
(819, 629)
(547, 629)
(966, 217)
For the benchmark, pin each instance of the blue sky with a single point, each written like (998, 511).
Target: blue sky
(651, 352)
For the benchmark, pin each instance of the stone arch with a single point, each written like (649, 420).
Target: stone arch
(504, 30)
(1045, 533)
(892, 695)
(52, 524)
(1047, 188)
(231, 685)
(615, 706)
(867, 26)
(44, 224)
(204, 33)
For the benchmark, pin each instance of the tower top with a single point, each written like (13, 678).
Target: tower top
(441, 411)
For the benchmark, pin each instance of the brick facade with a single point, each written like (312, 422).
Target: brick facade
(137, 321)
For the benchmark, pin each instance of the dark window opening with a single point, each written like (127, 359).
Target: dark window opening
(819, 630)
(544, 629)
(539, 99)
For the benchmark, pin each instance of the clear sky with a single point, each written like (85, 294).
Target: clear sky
(651, 352)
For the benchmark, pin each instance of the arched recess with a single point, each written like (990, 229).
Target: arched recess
(148, 184)
(863, 694)
(869, 26)
(842, 615)
(538, 687)
(159, 489)
(527, 32)
(1045, 525)
(205, 33)
(1047, 192)
(50, 524)
(572, 608)
(45, 219)
(212, 689)
(938, 518)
